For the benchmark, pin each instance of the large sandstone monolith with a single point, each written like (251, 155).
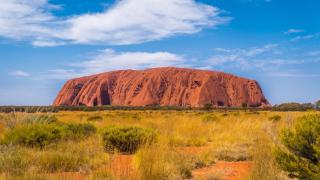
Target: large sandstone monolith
(166, 86)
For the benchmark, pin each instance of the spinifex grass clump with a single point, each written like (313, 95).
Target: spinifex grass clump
(275, 118)
(210, 118)
(127, 139)
(95, 118)
(14, 119)
(301, 153)
(40, 135)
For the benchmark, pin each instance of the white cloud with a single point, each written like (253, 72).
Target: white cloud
(293, 31)
(126, 22)
(21, 19)
(47, 43)
(313, 53)
(136, 21)
(19, 73)
(292, 74)
(266, 57)
(108, 60)
(306, 37)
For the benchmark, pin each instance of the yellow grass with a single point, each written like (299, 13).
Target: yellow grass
(186, 140)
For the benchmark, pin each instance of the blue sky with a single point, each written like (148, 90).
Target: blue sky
(43, 43)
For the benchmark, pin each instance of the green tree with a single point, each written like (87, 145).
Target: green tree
(300, 156)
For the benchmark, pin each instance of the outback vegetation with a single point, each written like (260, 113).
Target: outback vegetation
(160, 144)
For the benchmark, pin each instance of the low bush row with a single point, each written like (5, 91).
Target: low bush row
(40, 135)
(38, 131)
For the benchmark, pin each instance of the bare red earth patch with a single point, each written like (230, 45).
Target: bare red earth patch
(225, 170)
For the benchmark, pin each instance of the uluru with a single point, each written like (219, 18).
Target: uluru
(166, 86)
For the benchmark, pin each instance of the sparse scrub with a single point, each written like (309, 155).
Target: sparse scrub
(40, 135)
(57, 161)
(264, 164)
(22, 163)
(233, 153)
(210, 118)
(78, 131)
(95, 118)
(203, 160)
(15, 119)
(101, 175)
(127, 139)
(14, 160)
(181, 143)
(300, 156)
(275, 118)
(159, 161)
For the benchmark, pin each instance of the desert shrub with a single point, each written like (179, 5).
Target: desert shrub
(210, 118)
(203, 160)
(127, 139)
(95, 118)
(233, 153)
(79, 131)
(275, 118)
(14, 160)
(185, 171)
(40, 135)
(300, 156)
(37, 135)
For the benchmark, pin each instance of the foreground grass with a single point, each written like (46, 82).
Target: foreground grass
(187, 140)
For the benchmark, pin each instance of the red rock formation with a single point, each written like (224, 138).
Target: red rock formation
(161, 86)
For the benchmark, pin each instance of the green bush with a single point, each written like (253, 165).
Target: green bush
(40, 135)
(37, 135)
(127, 139)
(301, 153)
(79, 131)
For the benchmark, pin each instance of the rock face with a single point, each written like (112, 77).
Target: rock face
(161, 86)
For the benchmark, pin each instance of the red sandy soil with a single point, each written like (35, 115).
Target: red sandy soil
(123, 166)
(225, 170)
